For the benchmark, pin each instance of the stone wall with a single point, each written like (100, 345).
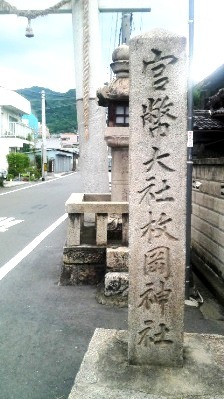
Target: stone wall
(208, 222)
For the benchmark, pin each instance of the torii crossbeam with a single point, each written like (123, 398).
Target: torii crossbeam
(103, 6)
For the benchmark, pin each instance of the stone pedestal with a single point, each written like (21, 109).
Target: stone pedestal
(106, 374)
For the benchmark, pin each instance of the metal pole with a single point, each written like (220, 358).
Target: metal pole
(44, 157)
(189, 152)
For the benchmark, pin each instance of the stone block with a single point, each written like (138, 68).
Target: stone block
(81, 274)
(117, 259)
(116, 284)
(83, 265)
(84, 255)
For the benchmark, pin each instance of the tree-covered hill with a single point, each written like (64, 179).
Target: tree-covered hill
(61, 113)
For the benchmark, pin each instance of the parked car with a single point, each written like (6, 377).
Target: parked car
(3, 173)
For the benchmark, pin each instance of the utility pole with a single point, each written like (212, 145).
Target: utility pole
(126, 27)
(44, 155)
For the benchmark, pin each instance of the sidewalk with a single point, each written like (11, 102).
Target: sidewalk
(105, 373)
(50, 176)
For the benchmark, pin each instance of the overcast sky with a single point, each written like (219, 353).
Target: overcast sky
(48, 60)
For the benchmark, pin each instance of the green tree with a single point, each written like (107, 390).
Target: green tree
(18, 163)
(38, 162)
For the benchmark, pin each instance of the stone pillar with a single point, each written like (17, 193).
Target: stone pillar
(117, 138)
(91, 118)
(115, 96)
(157, 199)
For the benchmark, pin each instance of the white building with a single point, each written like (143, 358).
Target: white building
(13, 132)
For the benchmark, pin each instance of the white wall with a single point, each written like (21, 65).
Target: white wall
(15, 100)
(5, 145)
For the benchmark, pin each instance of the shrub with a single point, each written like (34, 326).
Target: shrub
(18, 163)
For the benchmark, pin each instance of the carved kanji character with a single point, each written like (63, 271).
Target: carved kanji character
(158, 66)
(157, 158)
(153, 193)
(147, 338)
(157, 228)
(153, 295)
(157, 115)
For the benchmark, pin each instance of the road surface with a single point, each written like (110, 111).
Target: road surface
(44, 328)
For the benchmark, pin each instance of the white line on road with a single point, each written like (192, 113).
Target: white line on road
(5, 223)
(7, 267)
(25, 187)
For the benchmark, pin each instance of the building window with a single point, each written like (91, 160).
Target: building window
(12, 119)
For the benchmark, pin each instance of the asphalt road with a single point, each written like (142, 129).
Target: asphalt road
(44, 328)
(38, 206)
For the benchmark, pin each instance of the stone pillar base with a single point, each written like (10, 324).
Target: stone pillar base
(105, 372)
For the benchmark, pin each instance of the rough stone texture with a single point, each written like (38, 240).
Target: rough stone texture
(81, 274)
(117, 89)
(117, 136)
(101, 228)
(118, 139)
(119, 173)
(118, 301)
(77, 204)
(74, 229)
(116, 283)
(83, 265)
(117, 259)
(93, 150)
(157, 198)
(84, 255)
(106, 374)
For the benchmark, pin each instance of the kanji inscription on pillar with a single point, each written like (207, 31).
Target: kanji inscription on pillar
(157, 199)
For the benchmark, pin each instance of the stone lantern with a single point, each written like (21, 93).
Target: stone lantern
(115, 96)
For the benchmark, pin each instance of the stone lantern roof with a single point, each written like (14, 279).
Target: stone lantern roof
(118, 88)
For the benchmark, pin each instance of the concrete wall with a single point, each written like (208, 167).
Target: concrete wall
(208, 222)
